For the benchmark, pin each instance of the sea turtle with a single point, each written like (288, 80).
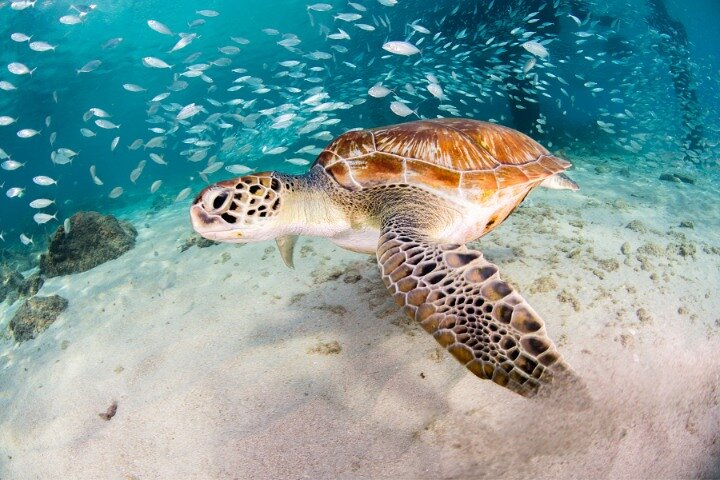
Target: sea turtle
(413, 194)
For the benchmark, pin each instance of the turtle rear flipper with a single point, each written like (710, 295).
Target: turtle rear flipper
(459, 298)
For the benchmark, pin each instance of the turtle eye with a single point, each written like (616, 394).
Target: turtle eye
(216, 200)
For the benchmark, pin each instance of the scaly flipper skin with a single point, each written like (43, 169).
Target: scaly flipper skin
(459, 298)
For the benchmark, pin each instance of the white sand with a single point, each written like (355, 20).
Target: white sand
(209, 354)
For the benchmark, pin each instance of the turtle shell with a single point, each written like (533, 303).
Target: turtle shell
(453, 155)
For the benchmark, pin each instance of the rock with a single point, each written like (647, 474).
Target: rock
(609, 265)
(667, 177)
(31, 285)
(677, 178)
(93, 239)
(687, 224)
(10, 283)
(602, 169)
(626, 248)
(637, 226)
(35, 316)
(198, 241)
(543, 285)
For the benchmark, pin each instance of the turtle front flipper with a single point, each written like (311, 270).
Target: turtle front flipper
(459, 298)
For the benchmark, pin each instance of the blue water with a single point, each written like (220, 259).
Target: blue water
(608, 68)
(472, 49)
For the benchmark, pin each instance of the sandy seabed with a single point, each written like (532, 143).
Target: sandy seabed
(225, 364)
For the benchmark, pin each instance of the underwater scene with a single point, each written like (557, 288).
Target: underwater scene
(286, 239)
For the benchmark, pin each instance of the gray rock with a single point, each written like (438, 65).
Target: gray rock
(10, 283)
(93, 239)
(35, 316)
(32, 285)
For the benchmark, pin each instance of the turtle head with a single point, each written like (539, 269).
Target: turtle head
(239, 210)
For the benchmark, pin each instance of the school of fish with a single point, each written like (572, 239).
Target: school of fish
(356, 65)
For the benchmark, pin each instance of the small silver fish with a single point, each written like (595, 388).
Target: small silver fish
(90, 66)
(115, 192)
(41, 203)
(18, 68)
(159, 27)
(44, 181)
(536, 49)
(157, 159)
(41, 47)
(15, 192)
(70, 20)
(155, 185)
(131, 87)
(400, 109)
(153, 62)
(11, 165)
(208, 13)
(5, 120)
(183, 42)
(7, 86)
(348, 17)
(27, 133)
(20, 37)
(238, 169)
(188, 111)
(401, 48)
(378, 91)
(106, 124)
(25, 239)
(184, 193)
(41, 218)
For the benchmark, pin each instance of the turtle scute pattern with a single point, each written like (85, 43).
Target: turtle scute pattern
(459, 298)
(447, 154)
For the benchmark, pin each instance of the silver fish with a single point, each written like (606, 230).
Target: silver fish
(15, 192)
(41, 46)
(208, 13)
(70, 20)
(536, 49)
(348, 17)
(401, 48)
(153, 62)
(238, 169)
(188, 111)
(378, 91)
(184, 193)
(41, 218)
(41, 203)
(106, 124)
(400, 109)
(90, 66)
(11, 165)
(27, 133)
(5, 120)
(131, 87)
(115, 192)
(20, 37)
(183, 42)
(7, 86)
(44, 181)
(18, 68)
(159, 27)
(155, 185)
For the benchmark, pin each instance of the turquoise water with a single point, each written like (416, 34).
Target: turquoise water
(604, 87)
